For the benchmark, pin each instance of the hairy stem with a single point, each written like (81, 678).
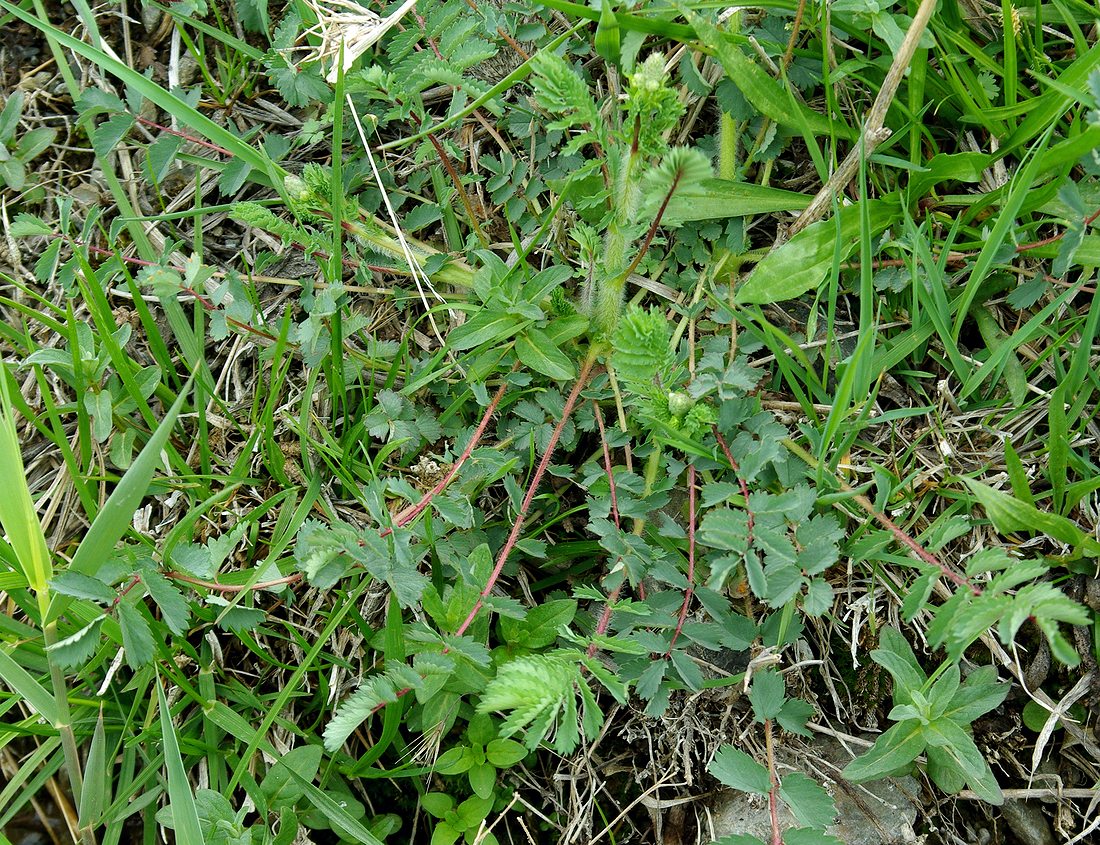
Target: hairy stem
(532, 489)
(691, 562)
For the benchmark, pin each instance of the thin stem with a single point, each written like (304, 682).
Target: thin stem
(653, 228)
(607, 462)
(412, 512)
(532, 489)
(773, 793)
(899, 534)
(691, 562)
(605, 616)
(741, 481)
(460, 189)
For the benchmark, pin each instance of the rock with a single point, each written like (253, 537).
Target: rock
(1026, 820)
(878, 813)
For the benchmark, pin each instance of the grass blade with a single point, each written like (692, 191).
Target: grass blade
(185, 815)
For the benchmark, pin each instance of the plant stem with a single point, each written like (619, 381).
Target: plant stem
(64, 719)
(540, 470)
(773, 793)
(691, 562)
(899, 534)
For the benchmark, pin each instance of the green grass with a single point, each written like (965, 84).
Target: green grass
(305, 532)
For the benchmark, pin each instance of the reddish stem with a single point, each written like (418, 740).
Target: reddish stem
(413, 511)
(605, 617)
(196, 141)
(235, 588)
(691, 562)
(607, 462)
(773, 793)
(459, 188)
(744, 487)
(653, 228)
(532, 489)
(916, 547)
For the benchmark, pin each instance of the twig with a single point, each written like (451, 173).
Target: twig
(874, 132)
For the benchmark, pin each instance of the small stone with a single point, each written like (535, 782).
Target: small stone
(1026, 820)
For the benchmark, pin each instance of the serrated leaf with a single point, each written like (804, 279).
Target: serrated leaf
(726, 529)
(808, 836)
(687, 669)
(81, 586)
(649, 682)
(738, 770)
(160, 155)
(137, 637)
(77, 649)
(818, 598)
(355, 710)
(640, 347)
(535, 349)
(794, 715)
(173, 606)
(27, 225)
(807, 800)
(107, 135)
(766, 694)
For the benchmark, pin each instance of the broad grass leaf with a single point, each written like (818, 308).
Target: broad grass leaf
(185, 815)
(97, 778)
(719, 199)
(765, 93)
(18, 514)
(535, 349)
(804, 262)
(116, 514)
(738, 770)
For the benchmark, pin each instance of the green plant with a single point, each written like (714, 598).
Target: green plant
(16, 153)
(933, 717)
(433, 517)
(806, 800)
